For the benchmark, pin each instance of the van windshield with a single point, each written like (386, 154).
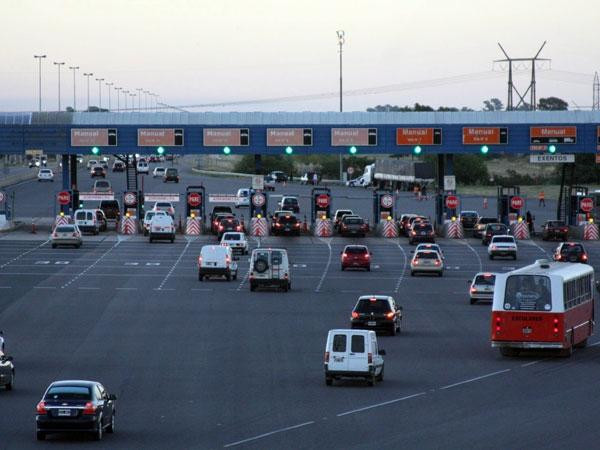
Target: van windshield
(528, 293)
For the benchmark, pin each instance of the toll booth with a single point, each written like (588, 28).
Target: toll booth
(383, 205)
(510, 204)
(320, 203)
(131, 204)
(448, 205)
(195, 202)
(258, 203)
(575, 208)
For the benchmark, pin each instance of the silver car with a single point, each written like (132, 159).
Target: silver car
(427, 261)
(66, 235)
(482, 287)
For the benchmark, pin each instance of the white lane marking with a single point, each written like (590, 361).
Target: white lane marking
(328, 242)
(155, 263)
(476, 254)
(541, 249)
(377, 405)
(270, 433)
(132, 264)
(126, 289)
(23, 254)
(5, 287)
(44, 287)
(531, 363)
(594, 344)
(91, 266)
(247, 274)
(89, 288)
(173, 267)
(42, 262)
(475, 379)
(62, 263)
(403, 268)
(203, 289)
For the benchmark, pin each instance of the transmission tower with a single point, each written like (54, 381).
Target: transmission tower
(596, 96)
(511, 86)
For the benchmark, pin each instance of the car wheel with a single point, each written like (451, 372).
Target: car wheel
(252, 287)
(368, 268)
(172, 240)
(53, 245)
(145, 233)
(393, 330)
(78, 245)
(582, 344)
(200, 277)
(343, 268)
(491, 256)
(380, 376)
(472, 301)
(328, 380)
(440, 274)
(412, 274)
(10, 385)
(514, 257)
(228, 276)
(40, 435)
(111, 427)
(509, 351)
(371, 381)
(99, 431)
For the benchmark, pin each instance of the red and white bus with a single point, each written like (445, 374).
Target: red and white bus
(546, 305)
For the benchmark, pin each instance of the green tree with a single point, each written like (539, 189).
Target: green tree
(493, 104)
(470, 169)
(552, 104)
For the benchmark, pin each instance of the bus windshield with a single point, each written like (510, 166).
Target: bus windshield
(528, 293)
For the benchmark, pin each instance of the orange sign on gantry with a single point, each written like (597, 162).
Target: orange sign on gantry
(155, 137)
(485, 135)
(553, 135)
(418, 136)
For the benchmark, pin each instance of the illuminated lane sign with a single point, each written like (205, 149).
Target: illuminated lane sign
(553, 135)
(485, 135)
(93, 137)
(226, 137)
(160, 137)
(418, 136)
(292, 137)
(359, 137)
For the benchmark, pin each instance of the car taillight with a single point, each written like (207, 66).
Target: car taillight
(277, 224)
(555, 325)
(367, 256)
(355, 315)
(390, 315)
(220, 227)
(437, 262)
(199, 260)
(296, 224)
(326, 358)
(416, 262)
(364, 226)
(41, 408)
(494, 247)
(413, 233)
(370, 358)
(54, 235)
(344, 255)
(584, 257)
(498, 324)
(473, 290)
(89, 408)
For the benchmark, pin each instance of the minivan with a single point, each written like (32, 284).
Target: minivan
(270, 267)
(353, 354)
(217, 260)
(242, 197)
(86, 220)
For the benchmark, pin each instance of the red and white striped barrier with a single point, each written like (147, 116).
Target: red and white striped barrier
(520, 230)
(454, 230)
(323, 228)
(128, 225)
(192, 226)
(389, 229)
(62, 220)
(258, 227)
(590, 232)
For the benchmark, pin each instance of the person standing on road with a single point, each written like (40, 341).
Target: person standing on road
(542, 199)
(315, 179)
(529, 220)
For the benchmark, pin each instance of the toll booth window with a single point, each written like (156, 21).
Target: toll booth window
(339, 343)
(276, 258)
(358, 344)
(527, 293)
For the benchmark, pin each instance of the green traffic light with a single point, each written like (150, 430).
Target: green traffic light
(552, 149)
(353, 150)
(95, 151)
(227, 150)
(289, 150)
(417, 150)
(160, 150)
(484, 149)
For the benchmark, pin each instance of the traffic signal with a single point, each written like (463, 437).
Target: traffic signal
(160, 151)
(289, 150)
(95, 151)
(552, 148)
(226, 150)
(352, 150)
(484, 149)
(417, 150)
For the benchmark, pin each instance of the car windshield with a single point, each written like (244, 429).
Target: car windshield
(469, 215)
(427, 255)
(45, 171)
(68, 393)
(160, 169)
(571, 248)
(163, 205)
(65, 229)
(495, 228)
(292, 201)
(355, 250)
(342, 213)
(504, 239)
(556, 223)
(353, 221)
(486, 280)
(486, 220)
(232, 237)
(102, 184)
(98, 169)
(366, 305)
(171, 171)
(149, 215)
(528, 293)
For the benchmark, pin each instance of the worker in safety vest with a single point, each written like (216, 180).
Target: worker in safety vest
(542, 199)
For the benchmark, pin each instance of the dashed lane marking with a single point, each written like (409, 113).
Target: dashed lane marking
(62, 263)
(377, 405)
(132, 263)
(270, 433)
(16, 258)
(247, 274)
(42, 262)
(328, 242)
(91, 266)
(475, 379)
(158, 264)
(90, 288)
(44, 287)
(173, 267)
(126, 289)
(403, 269)
(476, 254)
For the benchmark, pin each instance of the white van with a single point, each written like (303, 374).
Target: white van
(242, 197)
(217, 260)
(270, 267)
(86, 220)
(162, 227)
(353, 354)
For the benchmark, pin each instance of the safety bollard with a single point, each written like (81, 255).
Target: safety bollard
(485, 202)
(33, 228)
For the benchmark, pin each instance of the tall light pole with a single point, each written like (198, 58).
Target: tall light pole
(146, 100)
(99, 80)
(132, 102)
(109, 85)
(39, 58)
(140, 90)
(341, 40)
(126, 95)
(58, 64)
(74, 69)
(118, 89)
(88, 75)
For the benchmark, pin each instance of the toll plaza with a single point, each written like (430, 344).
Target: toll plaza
(320, 205)
(510, 204)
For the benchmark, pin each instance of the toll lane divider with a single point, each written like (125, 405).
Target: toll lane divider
(323, 228)
(129, 225)
(590, 232)
(520, 230)
(192, 226)
(387, 229)
(453, 230)
(258, 227)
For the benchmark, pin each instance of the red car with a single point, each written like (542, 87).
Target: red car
(356, 256)
(571, 252)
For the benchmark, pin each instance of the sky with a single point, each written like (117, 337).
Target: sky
(195, 52)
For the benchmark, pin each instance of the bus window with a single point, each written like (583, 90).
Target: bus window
(527, 293)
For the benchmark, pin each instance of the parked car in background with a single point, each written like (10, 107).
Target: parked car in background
(278, 176)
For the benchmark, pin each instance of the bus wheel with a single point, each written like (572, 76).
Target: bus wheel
(566, 352)
(582, 344)
(509, 351)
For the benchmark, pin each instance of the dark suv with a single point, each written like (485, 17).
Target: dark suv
(481, 224)
(285, 224)
(111, 209)
(571, 252)
(353, 226)
(493, 229)
(421, 232)
(171, 174)
(468, 219)
(378, 312)
(226, 224)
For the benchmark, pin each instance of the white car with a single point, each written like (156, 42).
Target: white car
(162, 227)
(66, 235)
(269, 183)
(148, 218)
(102, 186)
(91, 163)
(427, 261)
(242, 197)
(482, 287)
(45, 175)
(158, 172)
(237, 241)
(502, 245)
(217, 260)
(164, 206)
(429, 246)
(143, 167)
(353, 354)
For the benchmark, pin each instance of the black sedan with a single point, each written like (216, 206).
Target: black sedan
(75, 406)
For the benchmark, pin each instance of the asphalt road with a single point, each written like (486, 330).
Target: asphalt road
(212, 365)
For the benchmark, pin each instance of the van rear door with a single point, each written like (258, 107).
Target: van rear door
(338, 360)
(357, 359)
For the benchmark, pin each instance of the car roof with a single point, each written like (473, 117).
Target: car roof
(215, 249)
(428, 251)
(378, 297)
(87, 383)
(503, 236)
(351, 331)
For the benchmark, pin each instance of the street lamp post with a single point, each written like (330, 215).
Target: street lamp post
(58, 64)
(146, 100)
(118, 89)
(132, 102)
(126, 95)
(74, 69)
(109, 85)
(39, 58)
(99, 80)
(140, 90)
(341, 41)
(88, 75)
